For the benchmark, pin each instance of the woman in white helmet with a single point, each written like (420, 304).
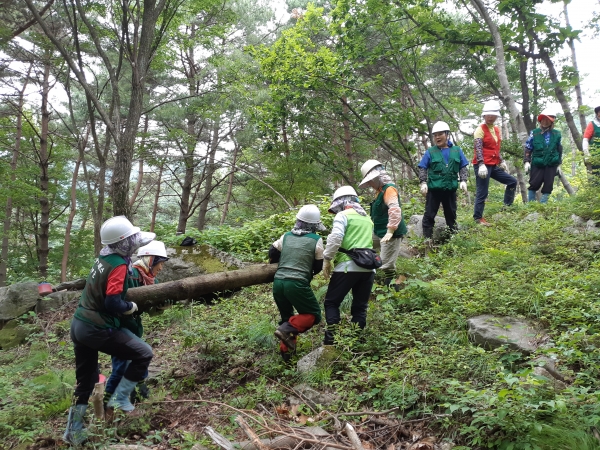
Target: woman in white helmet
(543, 155)
(299, 254)
(386, 214)
(440, 169)
(488, 162)
(351, 229)
(150, 263)
(96, 325)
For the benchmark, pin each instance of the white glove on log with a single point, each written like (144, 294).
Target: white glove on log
(424, 188)
(586, 147)
(482, 172)
(132, 310)
(504, 166)
(527, 167)
(327, 269)
(387, 236)
(463, 186)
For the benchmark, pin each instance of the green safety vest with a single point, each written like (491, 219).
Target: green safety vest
(545, 155)
(133, 322)
(442, 176)
(379, 215)
(91, 304)
(596, 137)
(359, 234)
(297, 257)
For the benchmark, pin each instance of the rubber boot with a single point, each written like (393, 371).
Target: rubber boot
(530, 196)
(287, 334)
(120, 400)
(329, 338)
(544, 198)
(75, 433)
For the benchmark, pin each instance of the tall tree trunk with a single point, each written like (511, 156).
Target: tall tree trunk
(13, 177)
(156, 196)
(210, 170)
(67, 244)
(230, 185)
(44, 228)
(138, 185)
(576, 69)
(188, 178)
(348, 141)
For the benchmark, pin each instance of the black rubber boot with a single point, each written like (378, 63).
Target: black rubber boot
(287, 334)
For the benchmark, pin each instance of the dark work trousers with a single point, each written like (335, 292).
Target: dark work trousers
(432, 205)
(542, 176)
(88, 340)
(483, 184)
(340, 284)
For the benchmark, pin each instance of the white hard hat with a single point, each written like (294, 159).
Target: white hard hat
(368, 173)
(548, 112)
(118, 228)
(491, 108)
(154, 248)
(309, 214)
(440, 126)
(343, 191)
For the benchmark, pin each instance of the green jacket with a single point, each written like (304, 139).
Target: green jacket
(545, 155)
(442, 176)
(297, 257)
(379, 215)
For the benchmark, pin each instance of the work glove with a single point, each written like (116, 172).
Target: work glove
(424, 188)
(327, 269)
(504, 166)
(133, 309)
(463, 186)
(527, 167)
(482, 172)
(388, 236)
(586, 148)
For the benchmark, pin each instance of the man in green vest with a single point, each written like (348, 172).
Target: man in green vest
(591, 138)
(300, 256)
(351, 229)
(543, 155)
(96, 325)
(386, 214)
(439, 172)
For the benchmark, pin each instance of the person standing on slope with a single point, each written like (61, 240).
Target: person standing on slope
(439, 171)
(543, 155)
(300, 256)
(488, 163)
(386, 214)
(591, 136)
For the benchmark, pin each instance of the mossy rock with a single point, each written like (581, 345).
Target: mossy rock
(13, 335)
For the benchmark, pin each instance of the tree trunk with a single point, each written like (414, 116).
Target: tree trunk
(230, 185)
(67, 244)
(348, 141)
(210, 170)
(576, 69)
(196, 287)
(44, 228)
(138, 185)
(156, 197)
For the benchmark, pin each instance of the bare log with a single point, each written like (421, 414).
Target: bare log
(219, 439)
(250, 433)
(356, 444)
(189, 288)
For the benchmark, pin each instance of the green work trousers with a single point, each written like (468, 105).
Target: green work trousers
(295, 294)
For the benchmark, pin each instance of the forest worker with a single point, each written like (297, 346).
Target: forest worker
(543, 155)
(96, 325)
(386, 213)
(150, 263)
(440, 169)
(488, 163)
(591, 135)
(299, 253)
(352, 228)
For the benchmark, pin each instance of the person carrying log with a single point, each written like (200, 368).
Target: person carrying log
(352, 228)
(299, 254)
(386, 214)
(96, 325)
(543, 155)
(150, 263)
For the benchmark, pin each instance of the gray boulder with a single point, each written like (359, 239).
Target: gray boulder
(577, 221)
(492, 332)
(311, 396)
(533, 217)
(314, 359)
(56, 300)
(17, 299)
(415, 227)
(13, 334)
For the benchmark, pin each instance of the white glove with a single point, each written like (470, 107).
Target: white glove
(387, 236)
(586, 147)
(463, 186)
(482, 172)
(424, 188)
(504, 166)
(132, 310)
(527, 167)
(327, 269)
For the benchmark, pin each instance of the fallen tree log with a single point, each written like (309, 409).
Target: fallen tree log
(195, 287)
